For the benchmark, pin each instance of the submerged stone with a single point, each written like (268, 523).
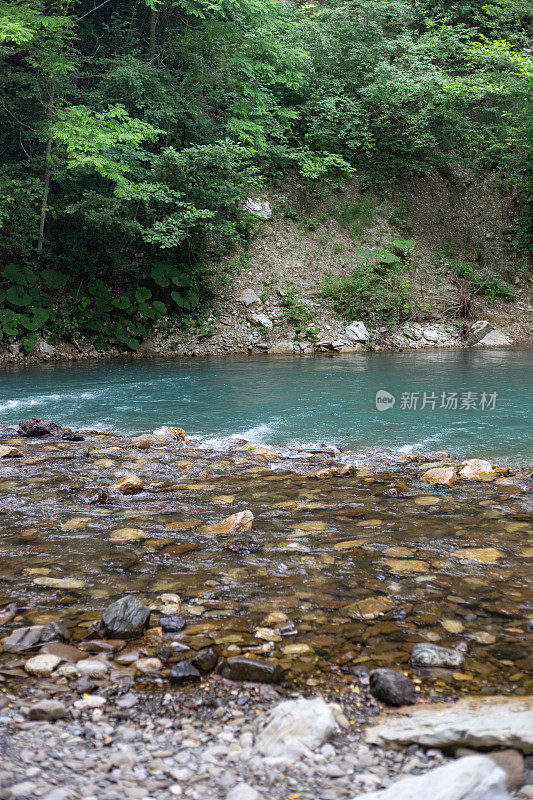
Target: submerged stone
(184, 672)
(370, 607)
(126, 618)
(391, 687)
(10, 452)
(431, 655)
(23, 639)
(240, 668)
(130, 484)
(58, 583)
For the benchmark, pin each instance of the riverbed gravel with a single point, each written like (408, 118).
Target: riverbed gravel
(198, 744)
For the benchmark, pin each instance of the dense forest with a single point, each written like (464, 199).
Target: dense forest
(132, 130)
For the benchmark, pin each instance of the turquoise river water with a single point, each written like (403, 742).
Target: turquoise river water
(471, 402)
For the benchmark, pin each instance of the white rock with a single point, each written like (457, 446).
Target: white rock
(282, 348)
(43, 664)
(46, 349)
(430, 335)
(260, 319)
(248, 297)
(243, 791)
(477, 722)
(475, 469)
(90, 701)
(257, 207)
(494, 338)
(471, 778)
(147, 665)
(92, 668)
(357, 332)
(297, 726)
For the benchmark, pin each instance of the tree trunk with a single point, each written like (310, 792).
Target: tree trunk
(46, 184)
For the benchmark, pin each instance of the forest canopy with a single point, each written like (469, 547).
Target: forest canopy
(132, 130)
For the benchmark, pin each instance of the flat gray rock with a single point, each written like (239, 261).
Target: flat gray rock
(472, 778)
(477, 722)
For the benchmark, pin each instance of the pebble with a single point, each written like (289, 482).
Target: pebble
(42, 665)
(47, 710)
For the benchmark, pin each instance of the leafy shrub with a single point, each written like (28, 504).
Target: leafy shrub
(484, 282)
(375, 290)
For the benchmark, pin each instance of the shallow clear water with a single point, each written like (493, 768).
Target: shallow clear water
(286, 400)
(454, 564)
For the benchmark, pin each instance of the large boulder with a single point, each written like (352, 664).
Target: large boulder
(357, 332)
(472, 778)
(297, 726)
(258, 207)
(125, 618)
(480, 723)
(441, 476)
(475, 469)
(484, 334)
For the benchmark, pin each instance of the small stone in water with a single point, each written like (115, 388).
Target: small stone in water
(42, 665)
(22, 639)
(147, 665)
(130, 484)
(392, 688)
(183, 672)
(205, 660)
(58, 583)
(54, 631)
(10, 452)
(126, 618)
(370, 607)
(240, 668)
(172, 623)
(485, 555)
(431, 655)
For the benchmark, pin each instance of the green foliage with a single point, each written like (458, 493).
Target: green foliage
(375, 290)
(134, 152)
(296, 311)
(484, 282)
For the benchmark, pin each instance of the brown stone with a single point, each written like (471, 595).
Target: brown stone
(442, 476)
(63, 651)
(10, 452)
(130, 484)
(370, 607)
(235, 523)
(474, 469)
